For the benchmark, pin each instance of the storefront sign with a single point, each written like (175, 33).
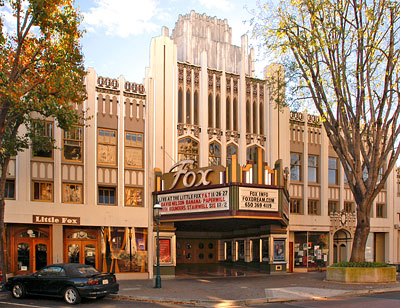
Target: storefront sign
(64, 220)
(194, 201)
(258, 199)
(184, 177)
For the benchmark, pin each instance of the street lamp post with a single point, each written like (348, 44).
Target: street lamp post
(157, 213)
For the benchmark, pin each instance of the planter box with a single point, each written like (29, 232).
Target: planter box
(361, 274)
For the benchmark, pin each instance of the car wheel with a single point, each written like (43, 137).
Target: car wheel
(71, 296)
(18, 290)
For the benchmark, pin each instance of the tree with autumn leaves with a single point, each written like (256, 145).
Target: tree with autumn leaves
(41, 77)
(343, 56)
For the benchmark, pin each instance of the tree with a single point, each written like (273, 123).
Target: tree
(345, 55)
(41, 76)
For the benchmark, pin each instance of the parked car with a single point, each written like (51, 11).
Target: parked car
(72, 281)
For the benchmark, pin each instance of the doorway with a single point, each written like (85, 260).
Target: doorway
(196, 251)
(81, 247)
(341, 246)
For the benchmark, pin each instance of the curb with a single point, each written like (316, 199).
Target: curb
(252, 301)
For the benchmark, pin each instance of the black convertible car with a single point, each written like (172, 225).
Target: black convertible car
(72, 281)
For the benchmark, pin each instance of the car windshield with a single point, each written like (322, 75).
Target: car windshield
(87, 270)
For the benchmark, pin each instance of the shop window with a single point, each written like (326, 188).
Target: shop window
(124, 250)
(188, 148)
(255, 118)
(349, 207)
(248, 110)
(134, 196)
(333, 170)
(333, 207)
(210, 111)
(230, 151)
(217, 112)
(295, 166)
(196, 108)
(311, 249)
(228, 113)
(43, 147)
(313, 207)
(72, 193)
(228, 250)
(313, 168)
(107, 147)
(296, 206)
(188, 108)
(42, 191)
(73, 144)
(180, 106)
(214, 154)
(133, 150)
(9, 190)
(235, 114)
(380, 210)
(106, 195)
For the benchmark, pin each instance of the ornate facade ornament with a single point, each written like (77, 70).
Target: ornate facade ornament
(343, 220)
(232, 134)
(214, 132)
(188, 129)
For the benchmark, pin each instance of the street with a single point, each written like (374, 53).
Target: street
(387, 300)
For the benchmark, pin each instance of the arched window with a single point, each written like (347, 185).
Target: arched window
(196, 108)
(217, 112)
(252, 155)
(180, 106)
(188, 148)
(188, 109)
(235, 114)
(231, 150)
(214, 154)
(255, 120)
(228, 113)
(261, 116)
(248, 117)
(210, 111)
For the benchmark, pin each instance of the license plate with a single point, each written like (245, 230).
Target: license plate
(105, 281)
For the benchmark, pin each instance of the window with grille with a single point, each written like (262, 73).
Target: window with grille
(214, 154)
(349, 207)
(313, 207)
(380, 210)
(107, 195)
(333, 207)
(188, 148)
(295, 206)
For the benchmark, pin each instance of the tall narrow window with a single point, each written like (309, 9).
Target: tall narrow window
(230, 151)
(214, 154)
(255, 120)
(248, 117)
(253, 155)
(313, 207)
(107, 147)
(134, 150)
(188, 148)
(380, 210)
(196, 108)
(9, 189)
(228, 113)
(188, 108)
(261, 116)
(217, 112)
(180, 106)
(73, 141)
(349, 207)
(296, 206)
(333, 207)
(333, 170)
(210, 111)
(235, 114)
(295, 166)
(44, 130)
(313, 168)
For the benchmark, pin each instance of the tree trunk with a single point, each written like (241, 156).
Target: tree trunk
(362, 232)
(3, 178)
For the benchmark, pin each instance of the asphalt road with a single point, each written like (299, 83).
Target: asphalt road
(386, 300)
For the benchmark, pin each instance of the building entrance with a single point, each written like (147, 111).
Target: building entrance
(81, 247)
(196, 251)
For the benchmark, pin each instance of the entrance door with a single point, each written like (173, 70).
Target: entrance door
(31, 251)
(81, 247)
(196, 251)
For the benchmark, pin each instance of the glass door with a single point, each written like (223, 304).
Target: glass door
(31, 255)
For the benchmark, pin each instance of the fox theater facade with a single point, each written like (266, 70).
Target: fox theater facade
(214, 215)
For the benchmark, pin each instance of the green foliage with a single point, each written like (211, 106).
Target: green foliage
(360, 264)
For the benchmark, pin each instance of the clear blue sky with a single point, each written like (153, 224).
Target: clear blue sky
(118, 32)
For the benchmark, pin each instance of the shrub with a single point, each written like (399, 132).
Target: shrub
(360, 264)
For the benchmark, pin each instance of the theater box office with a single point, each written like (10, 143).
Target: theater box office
(210, 215)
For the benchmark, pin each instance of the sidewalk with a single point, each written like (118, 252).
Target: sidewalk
(245, 290)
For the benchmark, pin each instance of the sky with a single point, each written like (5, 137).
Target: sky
(119, 32)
